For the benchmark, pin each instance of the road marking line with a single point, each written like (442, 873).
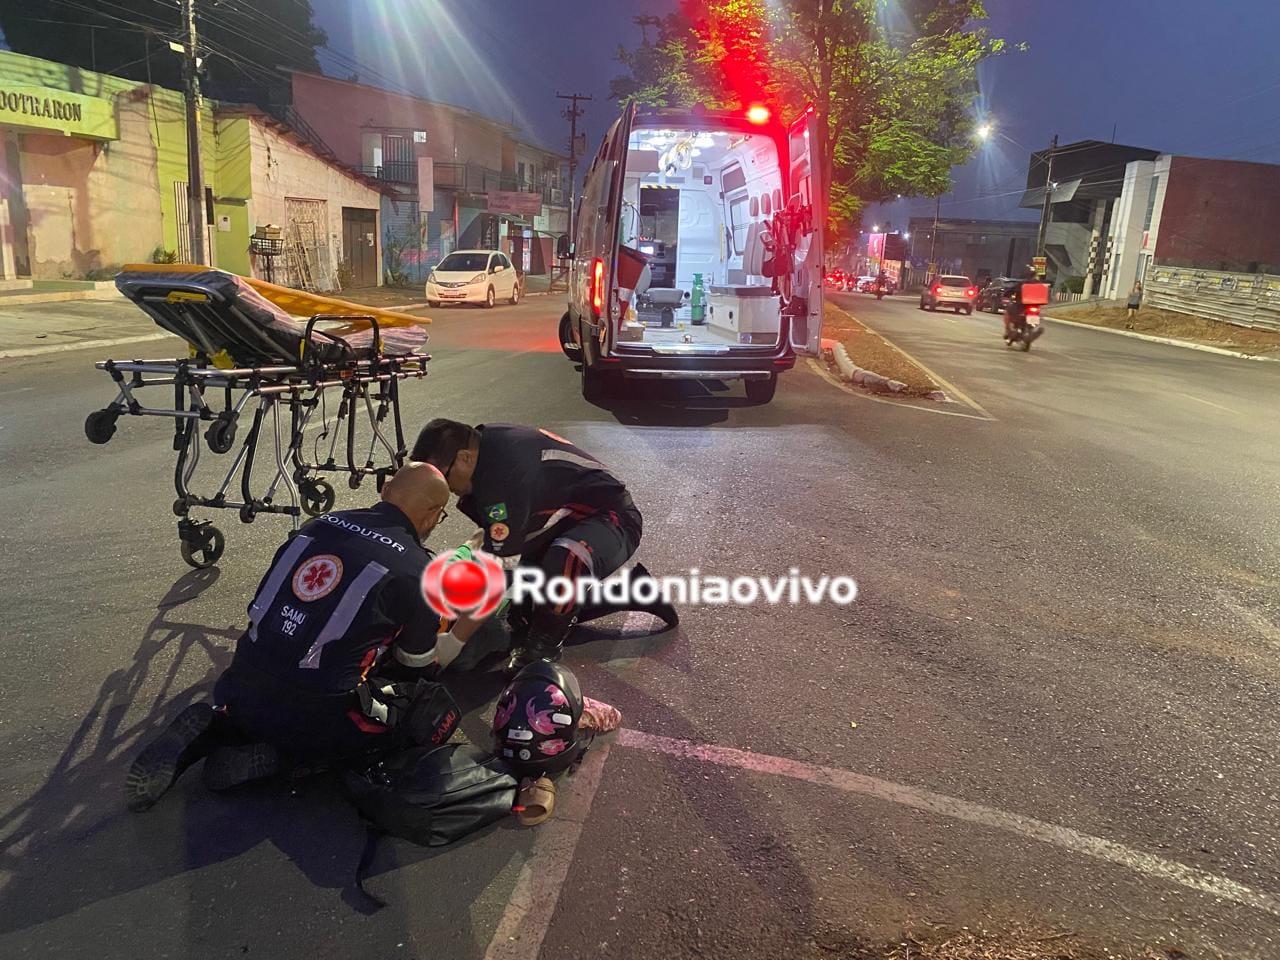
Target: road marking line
(1220, 887)
(826, 374)
(524, 924)
(1209, 403)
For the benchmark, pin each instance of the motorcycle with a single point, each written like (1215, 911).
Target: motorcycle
(879, 291)
(1022, 327)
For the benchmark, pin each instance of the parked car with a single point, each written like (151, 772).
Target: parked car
(473, 276)
(953, 292)
(995, 296)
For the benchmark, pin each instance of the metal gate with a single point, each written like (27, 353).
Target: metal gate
(307, 257)
(182, 206)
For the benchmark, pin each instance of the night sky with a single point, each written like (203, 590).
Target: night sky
(1186, 76)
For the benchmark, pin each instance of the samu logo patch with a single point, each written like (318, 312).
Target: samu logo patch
(317, 577)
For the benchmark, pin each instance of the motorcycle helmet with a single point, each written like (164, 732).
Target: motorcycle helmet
(535, 725)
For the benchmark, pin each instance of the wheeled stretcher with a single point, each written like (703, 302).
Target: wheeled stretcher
(326, 390)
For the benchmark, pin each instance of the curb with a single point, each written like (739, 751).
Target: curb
(1168, 341)
(422, 304)
(874, 382)
(79, 345)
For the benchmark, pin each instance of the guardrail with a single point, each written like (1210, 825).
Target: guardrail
(1245, 299)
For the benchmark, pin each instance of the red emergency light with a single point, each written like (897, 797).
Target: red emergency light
(758, 114)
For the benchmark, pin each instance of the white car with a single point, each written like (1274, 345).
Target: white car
(950, 293)
(473, 276)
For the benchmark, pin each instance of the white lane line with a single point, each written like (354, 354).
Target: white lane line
(10, 393)
(1209, 403)
(817, 367)
(1170, 870)
(524, 924)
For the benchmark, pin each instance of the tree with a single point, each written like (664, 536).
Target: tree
(895, 83)
(243, 41)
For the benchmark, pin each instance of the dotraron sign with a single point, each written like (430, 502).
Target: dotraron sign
(58, 111)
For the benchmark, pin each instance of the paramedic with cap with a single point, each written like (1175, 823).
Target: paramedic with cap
(542, 502)
(342, 600)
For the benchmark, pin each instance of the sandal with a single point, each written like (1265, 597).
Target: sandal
(535, 801)
(599, 716)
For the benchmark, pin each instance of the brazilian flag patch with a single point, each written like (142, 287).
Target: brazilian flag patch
(497, 512)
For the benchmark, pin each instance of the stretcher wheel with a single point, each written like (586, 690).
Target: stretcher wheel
(317, 497)
(247, 513)
(221, 435)
(100, 426)
(354, 481)
(202, 546)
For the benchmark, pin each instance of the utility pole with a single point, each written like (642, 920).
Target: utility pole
(1046, 210)
(572, 113)
(933, 242)
(191, 89)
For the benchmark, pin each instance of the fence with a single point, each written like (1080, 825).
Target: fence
(1245, 299)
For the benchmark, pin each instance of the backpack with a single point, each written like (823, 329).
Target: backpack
(431, 796)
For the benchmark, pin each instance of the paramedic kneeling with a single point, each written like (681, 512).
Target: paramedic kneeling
(339, 596)
(542, 503)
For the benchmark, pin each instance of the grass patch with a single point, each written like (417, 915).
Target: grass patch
(873, 352)
(1177, 326)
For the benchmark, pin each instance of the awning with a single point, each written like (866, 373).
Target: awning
(1063, 193)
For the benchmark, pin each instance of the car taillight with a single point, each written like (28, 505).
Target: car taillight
(597, 286)
(937, 291)
(971, 292)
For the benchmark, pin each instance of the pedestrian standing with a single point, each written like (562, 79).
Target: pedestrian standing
(1135, 301)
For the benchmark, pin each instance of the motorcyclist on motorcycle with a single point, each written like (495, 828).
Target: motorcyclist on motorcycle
(881, 285)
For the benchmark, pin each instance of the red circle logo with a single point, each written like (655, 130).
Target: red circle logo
(452, 587)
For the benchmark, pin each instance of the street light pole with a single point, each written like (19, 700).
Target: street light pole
(933, 240)
(1046, 211)
(195, 174)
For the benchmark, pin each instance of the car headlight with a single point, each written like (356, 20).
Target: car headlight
(478, 278)
(431, 277)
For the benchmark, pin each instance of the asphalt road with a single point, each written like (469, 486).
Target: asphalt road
(1054, 702)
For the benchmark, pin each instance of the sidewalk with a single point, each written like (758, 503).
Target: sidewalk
(33, 330)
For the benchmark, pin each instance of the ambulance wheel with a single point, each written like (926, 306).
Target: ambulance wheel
(100, 426)
(221, 435)
(203, 548)
(571, 350)
(762, 391)
(317, 497)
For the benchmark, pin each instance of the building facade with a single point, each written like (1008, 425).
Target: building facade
(970, 248)
(458, 179)
(1200, 235)
(93, 175)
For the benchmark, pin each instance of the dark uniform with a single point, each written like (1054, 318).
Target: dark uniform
(546, 503)
(337, 595)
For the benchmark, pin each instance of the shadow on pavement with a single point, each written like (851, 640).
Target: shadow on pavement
(71, 844)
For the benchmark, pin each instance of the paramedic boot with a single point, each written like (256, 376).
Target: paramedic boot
(659, 608)
(539, 644)
(188, 739)
(233, 765)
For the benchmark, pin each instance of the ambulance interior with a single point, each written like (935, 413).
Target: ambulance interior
(697, 204)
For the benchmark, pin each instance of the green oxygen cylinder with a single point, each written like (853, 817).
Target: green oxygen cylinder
(465, 552)
(698, 301)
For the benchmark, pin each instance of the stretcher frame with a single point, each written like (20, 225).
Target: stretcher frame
(285, 399)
